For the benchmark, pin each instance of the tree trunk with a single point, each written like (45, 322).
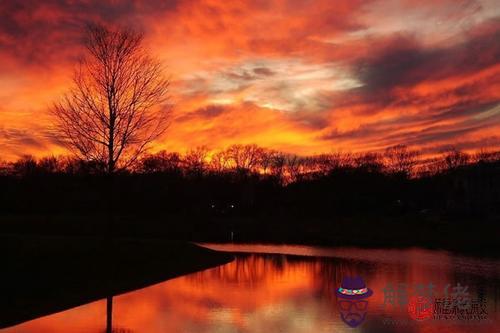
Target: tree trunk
(109, 314)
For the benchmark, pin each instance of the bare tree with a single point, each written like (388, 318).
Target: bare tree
(369, 162)
(278, 164)
(195, 160)
(294, 167)
(484, 156)
(50, 164)
(454, 158)
(160, 162)
(25, 166)
(219, 161)
(326, 163)
(400, 159)
(5, 168)
(265, 160)
(109, 115)
(244, 157)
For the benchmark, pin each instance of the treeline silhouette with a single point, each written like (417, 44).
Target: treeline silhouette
(251, 159)
(246, 187)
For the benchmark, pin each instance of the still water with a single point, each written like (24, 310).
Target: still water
(269, 289)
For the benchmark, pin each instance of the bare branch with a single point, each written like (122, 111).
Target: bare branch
(111, 114)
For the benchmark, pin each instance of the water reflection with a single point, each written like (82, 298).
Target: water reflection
(109, 314)
(287, 293)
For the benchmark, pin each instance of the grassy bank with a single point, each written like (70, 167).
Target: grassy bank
(43, 275)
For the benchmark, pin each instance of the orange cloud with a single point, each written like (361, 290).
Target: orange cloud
(288, 75)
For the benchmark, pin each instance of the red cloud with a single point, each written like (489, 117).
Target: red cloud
(299, 76)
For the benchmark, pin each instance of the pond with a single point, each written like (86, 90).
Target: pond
(296, 289)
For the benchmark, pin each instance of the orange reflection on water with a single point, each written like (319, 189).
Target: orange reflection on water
(285, 293)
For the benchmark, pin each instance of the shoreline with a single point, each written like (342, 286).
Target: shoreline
(45, 275)
(464, 236)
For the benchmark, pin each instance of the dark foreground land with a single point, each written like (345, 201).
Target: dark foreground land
(461, 235)
(327, 200)
(54, 224)
(357, 205)
(44, 275)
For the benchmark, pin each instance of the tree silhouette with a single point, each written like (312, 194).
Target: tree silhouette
(160, 162)
(195, 160)
(244, 157)
(109, 116)
(278, 164)
(368, 162)
(25, 166)
(219, 162)
(401, 160)
(454, 158)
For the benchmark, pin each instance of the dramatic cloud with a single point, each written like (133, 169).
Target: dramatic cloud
(301, 76)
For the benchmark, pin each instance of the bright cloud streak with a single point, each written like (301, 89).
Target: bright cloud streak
(305, 77)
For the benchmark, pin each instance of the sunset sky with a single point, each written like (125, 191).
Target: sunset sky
(299, 76)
